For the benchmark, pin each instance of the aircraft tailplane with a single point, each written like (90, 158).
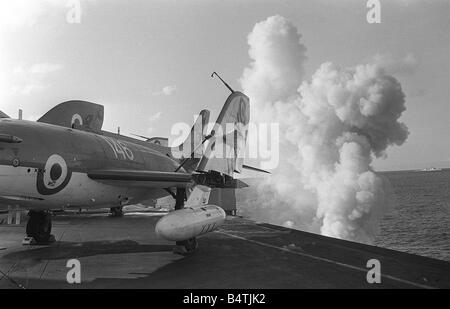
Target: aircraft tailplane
(3, 115)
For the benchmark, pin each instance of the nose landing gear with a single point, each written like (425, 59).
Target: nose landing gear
(116, 211)
(39, 228)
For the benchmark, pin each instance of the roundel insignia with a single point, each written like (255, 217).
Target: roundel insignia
(15, 162)
(54, 177)
(76, 121)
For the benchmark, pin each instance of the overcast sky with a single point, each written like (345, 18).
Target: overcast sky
(149, 62)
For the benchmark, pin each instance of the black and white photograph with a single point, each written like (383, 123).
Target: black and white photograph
(224, 150)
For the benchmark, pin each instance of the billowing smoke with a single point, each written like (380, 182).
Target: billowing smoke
(331, 128)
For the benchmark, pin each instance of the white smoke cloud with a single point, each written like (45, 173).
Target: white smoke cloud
(278, 57)
(331, 127)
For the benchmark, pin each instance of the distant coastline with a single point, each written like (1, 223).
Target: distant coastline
(425, 170)
(430, 169)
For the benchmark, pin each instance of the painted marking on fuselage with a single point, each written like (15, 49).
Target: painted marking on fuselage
(80, 192)
(75, 118)
(119, 148)
(54, 177)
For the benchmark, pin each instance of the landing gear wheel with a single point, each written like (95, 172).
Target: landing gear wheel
(186, 247)
(117, 211)
(39, 227)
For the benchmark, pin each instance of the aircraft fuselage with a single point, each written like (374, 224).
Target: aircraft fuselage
(48, 169)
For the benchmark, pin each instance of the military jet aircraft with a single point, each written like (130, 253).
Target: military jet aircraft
(65, 160)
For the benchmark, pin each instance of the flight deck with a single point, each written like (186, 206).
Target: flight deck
(126, 253)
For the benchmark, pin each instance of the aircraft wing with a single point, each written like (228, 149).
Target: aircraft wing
(155, 179)
(139, 178)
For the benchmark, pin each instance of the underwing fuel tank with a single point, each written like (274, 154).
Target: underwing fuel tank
(189, 222)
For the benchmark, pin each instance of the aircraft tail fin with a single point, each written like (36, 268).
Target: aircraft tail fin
(76, 114)
(227, 141)
(3, 115)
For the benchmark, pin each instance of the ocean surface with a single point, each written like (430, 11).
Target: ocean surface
(420, 221)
